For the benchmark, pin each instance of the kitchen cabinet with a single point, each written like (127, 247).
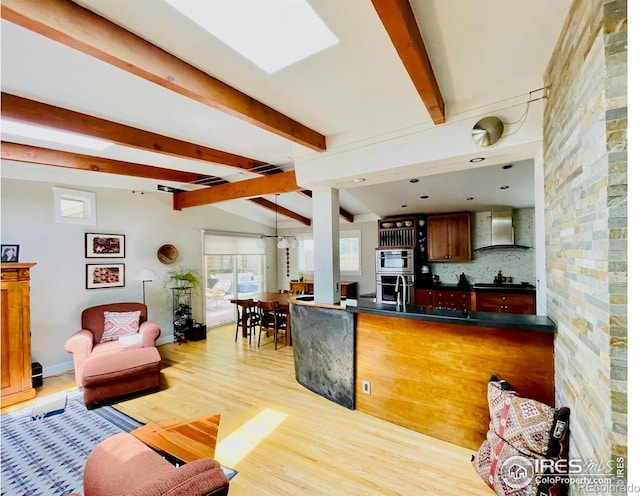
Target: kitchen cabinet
(452, 298)
(16, 334)
(423, 297)
(449, 237)
(506, 302)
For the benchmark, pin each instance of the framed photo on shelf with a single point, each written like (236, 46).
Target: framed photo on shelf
(105, 275)
(98, 245)
(10, 253)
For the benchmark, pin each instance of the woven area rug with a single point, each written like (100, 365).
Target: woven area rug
(46, 455)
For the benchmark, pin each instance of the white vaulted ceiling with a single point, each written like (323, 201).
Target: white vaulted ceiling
(487, 55)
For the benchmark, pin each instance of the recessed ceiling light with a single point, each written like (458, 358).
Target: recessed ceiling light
(508, 166)
(477, 159)
(424, 197)
(469, 198)
(272, 34)
(504, 187)
(403, 206)
(52, 135)
(414, 180)
(359, 180)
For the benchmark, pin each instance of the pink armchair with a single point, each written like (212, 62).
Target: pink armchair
(85, 343)
(122, 465)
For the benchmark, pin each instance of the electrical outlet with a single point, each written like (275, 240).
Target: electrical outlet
(366, 387)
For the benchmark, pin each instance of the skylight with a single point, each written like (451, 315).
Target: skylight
(272, 34)
(53, 135)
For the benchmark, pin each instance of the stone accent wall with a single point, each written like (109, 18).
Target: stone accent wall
(585, 163)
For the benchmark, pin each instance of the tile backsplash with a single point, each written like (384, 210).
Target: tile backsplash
(517, 263)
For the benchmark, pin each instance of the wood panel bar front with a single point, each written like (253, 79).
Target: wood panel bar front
(432, 377)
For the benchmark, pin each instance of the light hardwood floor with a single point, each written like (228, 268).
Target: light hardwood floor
(286, 440)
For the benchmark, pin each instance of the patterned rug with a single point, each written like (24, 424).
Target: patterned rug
(44, 456)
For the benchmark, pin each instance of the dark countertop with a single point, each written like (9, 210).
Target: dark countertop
(504, 288)
(444, 315)
(443, 287)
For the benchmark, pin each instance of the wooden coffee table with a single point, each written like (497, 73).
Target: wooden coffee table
(182, 441)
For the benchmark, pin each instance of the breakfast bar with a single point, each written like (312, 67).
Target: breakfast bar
(421, 367)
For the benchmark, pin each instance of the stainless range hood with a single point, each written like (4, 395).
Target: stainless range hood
(502, 229)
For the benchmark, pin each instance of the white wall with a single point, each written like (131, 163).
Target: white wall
(368, 239)
(58, 293)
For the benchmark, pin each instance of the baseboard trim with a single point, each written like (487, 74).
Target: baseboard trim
(164, 340)
(60, 368)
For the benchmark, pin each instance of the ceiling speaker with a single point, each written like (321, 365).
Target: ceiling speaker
(487, 131)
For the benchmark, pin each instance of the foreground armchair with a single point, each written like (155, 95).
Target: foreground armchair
(122, 465)
(114, 353)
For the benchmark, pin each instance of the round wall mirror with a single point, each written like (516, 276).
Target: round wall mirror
(167, 254)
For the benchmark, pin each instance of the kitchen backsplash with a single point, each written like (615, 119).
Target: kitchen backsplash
(517, 263)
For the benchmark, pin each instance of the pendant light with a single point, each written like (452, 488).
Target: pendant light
(283, 241)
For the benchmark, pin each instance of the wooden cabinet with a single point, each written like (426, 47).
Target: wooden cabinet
(444, 298)
(16, 334)
(301, 287)
(506, 302)
(348, 289)
(423, 297)
(449, 237)
(452, 298)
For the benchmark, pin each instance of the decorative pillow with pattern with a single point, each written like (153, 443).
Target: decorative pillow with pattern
(528, 425)
(510, 473)
(118, 324)
(499, 463)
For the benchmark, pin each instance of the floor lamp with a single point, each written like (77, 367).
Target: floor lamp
(145, 276)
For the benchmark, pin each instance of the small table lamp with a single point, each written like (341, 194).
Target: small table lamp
(146, 275)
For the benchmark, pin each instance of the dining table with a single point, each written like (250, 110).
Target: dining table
(283, 302)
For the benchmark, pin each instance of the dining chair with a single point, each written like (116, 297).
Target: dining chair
(271, 320)
(247, 312)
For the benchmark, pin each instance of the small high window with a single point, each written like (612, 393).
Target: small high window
(75, 207)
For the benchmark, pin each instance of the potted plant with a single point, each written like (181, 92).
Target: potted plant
(184, 277)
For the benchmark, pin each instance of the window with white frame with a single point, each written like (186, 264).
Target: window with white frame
(350, 253)
(74, 207)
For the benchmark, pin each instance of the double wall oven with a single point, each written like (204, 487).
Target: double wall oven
(394, 267)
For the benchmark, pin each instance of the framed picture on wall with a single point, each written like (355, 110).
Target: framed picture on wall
(98, 245)
(105, 275)
(10, 253)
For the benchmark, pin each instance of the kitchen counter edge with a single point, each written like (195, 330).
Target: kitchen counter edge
(481, 289)
(537, 323)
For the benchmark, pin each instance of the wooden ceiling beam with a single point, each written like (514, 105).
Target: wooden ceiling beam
(346, 215)
(280, 210)
(283, 182)
(45, 156)
(400, 23)
(79, 28)
(33, 112)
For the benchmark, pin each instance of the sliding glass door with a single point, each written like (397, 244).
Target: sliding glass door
(235, 267)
